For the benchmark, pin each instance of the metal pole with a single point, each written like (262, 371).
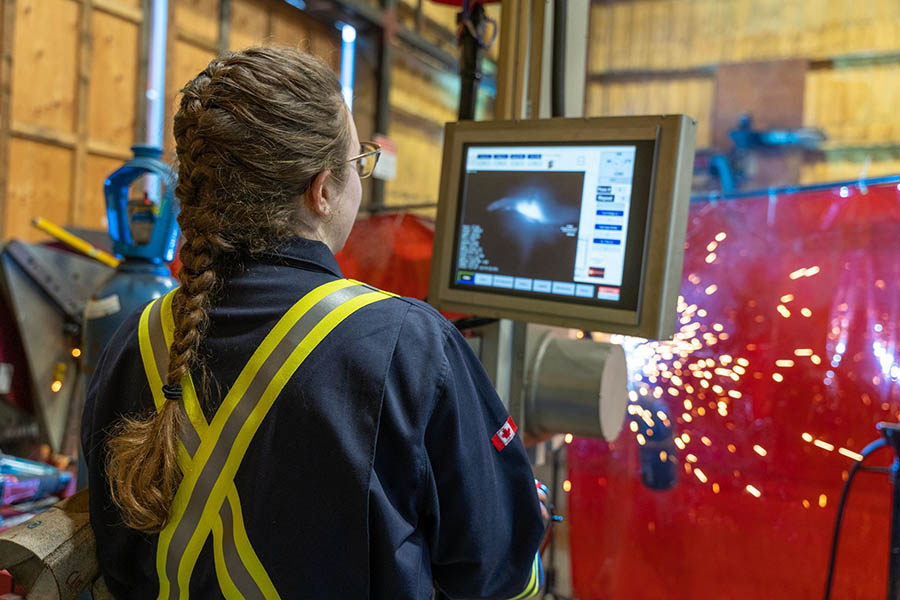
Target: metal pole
(383, 100)
(470, 60)
(156, 72)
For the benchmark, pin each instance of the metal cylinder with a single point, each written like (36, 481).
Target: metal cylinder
(578, 387)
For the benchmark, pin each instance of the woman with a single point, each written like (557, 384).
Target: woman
(272, 430)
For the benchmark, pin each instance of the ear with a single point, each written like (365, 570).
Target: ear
(318, 196)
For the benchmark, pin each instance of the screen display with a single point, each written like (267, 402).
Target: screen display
(556, 221)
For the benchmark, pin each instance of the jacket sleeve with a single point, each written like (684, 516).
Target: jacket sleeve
(481, 504)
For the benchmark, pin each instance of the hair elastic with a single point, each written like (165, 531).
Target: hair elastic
(172, 392)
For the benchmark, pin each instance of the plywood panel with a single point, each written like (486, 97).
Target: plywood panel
(199, 17)
(93, 213)
(189, 62)
(39, 186)
(249, 23)
(289, 27)
(44, 70)
(324, 42)
(128, 3)
(772, 92)
(113, 88)
(417, 179)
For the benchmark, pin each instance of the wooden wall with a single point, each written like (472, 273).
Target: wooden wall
(71, 86)
(70, 112)
(423, 98)
(661, 56)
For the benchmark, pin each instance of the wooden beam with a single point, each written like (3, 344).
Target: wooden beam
(168, 103)
(7, 41)
(140, 98)
(224, 25)
(107, 150)
(84, 52)
(41, 134)
(197, 40)
(134, 15)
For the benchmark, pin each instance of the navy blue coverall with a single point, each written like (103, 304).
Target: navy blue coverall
(372, 476)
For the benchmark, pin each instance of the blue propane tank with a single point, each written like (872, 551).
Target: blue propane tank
(141, 211)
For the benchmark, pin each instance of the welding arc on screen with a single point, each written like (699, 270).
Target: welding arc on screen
(529, 220)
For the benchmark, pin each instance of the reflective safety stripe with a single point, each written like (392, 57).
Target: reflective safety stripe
(536, 580)
(206, 501)
(155, 336)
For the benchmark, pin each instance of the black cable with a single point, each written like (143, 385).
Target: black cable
(473, 322)
(558, 73)
(879, 443)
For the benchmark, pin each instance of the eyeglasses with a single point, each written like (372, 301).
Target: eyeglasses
(365, 162)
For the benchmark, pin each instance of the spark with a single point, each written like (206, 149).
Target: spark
(806, 312)
(784, 311)
(823, 500)
(753, 490)
(803, 352)
(759, 450)
(824, 445)
(851, 454)
(711, 289)
(787, 298)
(785, 362)
(691, 458)
(807, 437)
(567, 486)
(700, 475)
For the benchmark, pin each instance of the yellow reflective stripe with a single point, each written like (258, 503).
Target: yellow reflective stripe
(189, 394)
(242, 541)
(532, 588)
(208, 437)
(147, 358)
(245, 548)
(226, 585)
(391, 294)
(254, 420)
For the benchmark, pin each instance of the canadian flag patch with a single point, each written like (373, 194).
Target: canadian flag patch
(504, 435)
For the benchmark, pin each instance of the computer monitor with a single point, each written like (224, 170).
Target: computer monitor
(570, 222)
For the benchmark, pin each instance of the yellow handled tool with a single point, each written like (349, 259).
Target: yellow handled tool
(75, 242)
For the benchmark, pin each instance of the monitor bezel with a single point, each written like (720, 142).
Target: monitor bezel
(663, 255)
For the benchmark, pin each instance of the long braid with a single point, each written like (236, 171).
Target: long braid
(252, 130)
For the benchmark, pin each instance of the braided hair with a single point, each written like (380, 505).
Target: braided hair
(252, 132)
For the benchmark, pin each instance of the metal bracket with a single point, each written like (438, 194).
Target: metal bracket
(47, 279)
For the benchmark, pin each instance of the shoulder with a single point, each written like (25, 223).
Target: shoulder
(120, 365)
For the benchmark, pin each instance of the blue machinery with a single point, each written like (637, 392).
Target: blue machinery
(141, 210)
